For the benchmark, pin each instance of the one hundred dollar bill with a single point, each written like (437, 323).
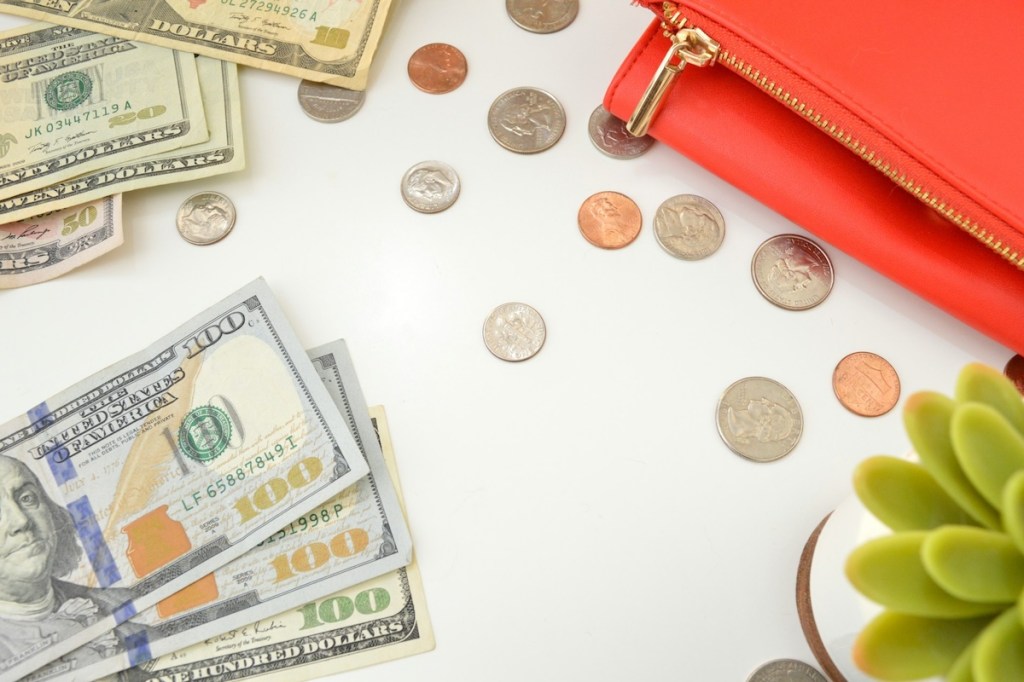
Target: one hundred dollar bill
(376, 621)
(74, 101)
(355, 536)
(224, 152)
(138, 481)
(36, 250)
(332, 41)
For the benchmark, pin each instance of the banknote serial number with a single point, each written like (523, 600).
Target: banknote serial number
(243, 471)
(310, 521)
(116, 115)
(273, 8)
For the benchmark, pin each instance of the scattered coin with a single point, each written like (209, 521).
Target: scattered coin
(205, 218)
(609, 220)
(430, 186)
(1014, 370)
(759, 419)
(542, 16)
(866, 384)
(526, 120)
(514, 332)
(792, 272)
(786, 670)
(329, 103)
(437, 68)
(689, 227)
(609, 135)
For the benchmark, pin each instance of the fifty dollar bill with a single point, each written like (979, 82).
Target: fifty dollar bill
(222, 153)
(357, 535)
(74, 101)
(376, 621)
(39, 249)
(332, 41)
(131, 485)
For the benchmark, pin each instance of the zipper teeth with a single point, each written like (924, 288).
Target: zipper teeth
(673, 18)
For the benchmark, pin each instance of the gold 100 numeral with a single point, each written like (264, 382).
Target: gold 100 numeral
(310, 557)
(301, 474)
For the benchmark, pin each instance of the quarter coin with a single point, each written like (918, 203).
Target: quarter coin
(759, 419)
(205, 218)
(329, 103)
(514, 332)
(526, 120)
(542, 16)
(609, 220)
(1014, 371)
(866, 384)
(430, 186)
(689, 227)
(610, 136)
(786, 670)
(437, 68)
(792, 272)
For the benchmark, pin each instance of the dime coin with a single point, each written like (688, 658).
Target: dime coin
(514, 332)
(329, 103)
(526, 120)
(786, 670)
(610, 136)
(689, 227)
(437, 68)
(430, 186)
(542, 16)
(866, 384)
(1014, 370)
(609, 220)
(205, 218)
(792, 272)
(759, 419)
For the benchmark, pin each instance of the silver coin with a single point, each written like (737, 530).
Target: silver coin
(792, 272)
(786, 670)
(430, 186)
(759, 419)
(542, 16)
(526, 120)
(514, 332)
(329, 103)
(689, 226)
(205, 218)
(610, 136)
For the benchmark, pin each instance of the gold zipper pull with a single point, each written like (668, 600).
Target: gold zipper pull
(689, 46)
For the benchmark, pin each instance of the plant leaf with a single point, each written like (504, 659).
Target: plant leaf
(988, 447)
(897, 646)
(1013, 509)
(904, 496)
(961, 670)
(889, 571)
(974, 564)
(983, 384)
(999, 654)
(927, 417)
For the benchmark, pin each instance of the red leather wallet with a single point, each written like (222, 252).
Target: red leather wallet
(825, 110)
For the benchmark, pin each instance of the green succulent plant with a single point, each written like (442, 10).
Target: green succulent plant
(950, 577)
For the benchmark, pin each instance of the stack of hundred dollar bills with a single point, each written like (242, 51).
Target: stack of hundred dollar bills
(221, 505)
(110, 97)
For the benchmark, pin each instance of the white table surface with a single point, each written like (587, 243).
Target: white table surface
(575, 516)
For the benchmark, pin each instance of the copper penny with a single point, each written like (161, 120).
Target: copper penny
(1014, 371)
(609, 220)
(437, 68)
(866, 384)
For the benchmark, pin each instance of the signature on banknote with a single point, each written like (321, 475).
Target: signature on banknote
(246, 22)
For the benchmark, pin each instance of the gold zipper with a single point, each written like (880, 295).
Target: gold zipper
(691, 45)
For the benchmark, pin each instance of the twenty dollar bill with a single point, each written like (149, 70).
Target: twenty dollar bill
(323, 40)
(376, 621)
(223, 152)
(36, 250)
(133, 484)
(73, 101)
